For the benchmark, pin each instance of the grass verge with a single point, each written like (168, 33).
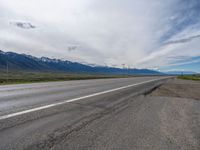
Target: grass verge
(190, 77)
(32, 77)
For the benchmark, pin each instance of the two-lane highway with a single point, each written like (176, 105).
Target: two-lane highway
(37, 115)
(14, 98)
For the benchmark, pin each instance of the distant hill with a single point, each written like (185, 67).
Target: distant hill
(23, 62)
(180, 72)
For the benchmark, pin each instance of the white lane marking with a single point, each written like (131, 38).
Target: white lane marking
(74, 99)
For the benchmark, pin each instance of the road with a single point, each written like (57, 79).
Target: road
(40, 115)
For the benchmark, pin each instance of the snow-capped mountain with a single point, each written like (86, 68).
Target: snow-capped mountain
(23, 62)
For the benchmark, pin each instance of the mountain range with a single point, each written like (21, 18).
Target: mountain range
(22, 62)
(180, 72)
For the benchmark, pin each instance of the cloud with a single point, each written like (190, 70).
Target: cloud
(141, 33)
(23, 25)
(72, 48)
(184, 63)
(185, 60)
(184, 40)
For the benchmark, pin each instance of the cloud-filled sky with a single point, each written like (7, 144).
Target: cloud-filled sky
(157, 34)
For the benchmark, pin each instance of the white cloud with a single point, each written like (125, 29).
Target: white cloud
(110, 32)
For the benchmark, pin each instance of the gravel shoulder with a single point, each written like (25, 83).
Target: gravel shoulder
(167, 119)
(179, 88)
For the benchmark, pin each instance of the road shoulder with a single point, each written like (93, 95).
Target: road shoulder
(160, 120)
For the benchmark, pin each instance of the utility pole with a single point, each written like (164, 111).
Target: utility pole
(123, 66)
(7, 71)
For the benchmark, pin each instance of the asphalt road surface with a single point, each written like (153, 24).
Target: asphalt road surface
(43, 115)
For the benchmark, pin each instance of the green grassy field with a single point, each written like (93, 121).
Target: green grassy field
(31, 77)
(190, 77)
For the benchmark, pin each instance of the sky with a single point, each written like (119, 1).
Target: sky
(155, 34)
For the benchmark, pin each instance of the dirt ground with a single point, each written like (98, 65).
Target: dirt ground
(179, 88)
(166, 119)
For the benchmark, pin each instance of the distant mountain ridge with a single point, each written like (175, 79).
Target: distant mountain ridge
(23, 62)
(180, 72)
